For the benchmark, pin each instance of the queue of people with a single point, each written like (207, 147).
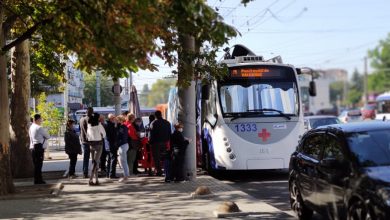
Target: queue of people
(118, 137)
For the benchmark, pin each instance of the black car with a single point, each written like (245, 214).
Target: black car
(342, 171)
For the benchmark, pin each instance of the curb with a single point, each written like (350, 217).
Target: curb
(234, 214)
(208, 196)
(53, 193)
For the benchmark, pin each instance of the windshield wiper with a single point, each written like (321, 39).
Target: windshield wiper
(238, 115)
(270, 110)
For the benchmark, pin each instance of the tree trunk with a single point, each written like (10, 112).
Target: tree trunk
(186, 108)
(6, 182)
(20, 140)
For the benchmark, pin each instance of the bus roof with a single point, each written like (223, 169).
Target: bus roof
(383, 97)
(107, 110)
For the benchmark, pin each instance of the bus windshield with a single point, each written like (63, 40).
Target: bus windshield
(238, 98)
(383, 106)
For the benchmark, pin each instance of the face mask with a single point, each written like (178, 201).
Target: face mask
(180, 129)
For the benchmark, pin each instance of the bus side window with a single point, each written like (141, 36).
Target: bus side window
(211, 109)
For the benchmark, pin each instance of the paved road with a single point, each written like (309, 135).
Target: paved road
(268, 186)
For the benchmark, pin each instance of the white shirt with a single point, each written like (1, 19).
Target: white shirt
(96, 133)
(38, 135)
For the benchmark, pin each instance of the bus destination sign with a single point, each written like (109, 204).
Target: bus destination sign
(254, 72)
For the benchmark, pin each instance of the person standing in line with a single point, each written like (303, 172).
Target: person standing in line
(148, 147)
(72, 147)
(38, 136)
(95, 136)
(122, 143)
(137, 124)
(148, 127)
(178, 145)
(103, 156)
(84, 141)
(111, 131)
(133, 141)
(159, 137)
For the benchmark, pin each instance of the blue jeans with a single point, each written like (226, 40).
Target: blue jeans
(86, 152)
(123, 158)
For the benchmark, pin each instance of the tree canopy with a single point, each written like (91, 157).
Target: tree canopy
(379, 80)
(159, 92)
(115, 35)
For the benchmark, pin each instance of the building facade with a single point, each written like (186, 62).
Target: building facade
(73, 94)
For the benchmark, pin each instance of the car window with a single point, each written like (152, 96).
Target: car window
(371, 148)
(312, 146)
(332, 149)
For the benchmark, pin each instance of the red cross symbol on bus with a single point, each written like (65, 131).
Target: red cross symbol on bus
(264, 134)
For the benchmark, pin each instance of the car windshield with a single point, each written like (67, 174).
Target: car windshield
(371, 148)
(369, 107)
(316, 122)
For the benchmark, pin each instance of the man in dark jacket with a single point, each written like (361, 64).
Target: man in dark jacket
(159, 137)
(111, 132)
(72, 147)
(84, 140)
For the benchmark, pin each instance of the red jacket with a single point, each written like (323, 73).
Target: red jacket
(131, 131)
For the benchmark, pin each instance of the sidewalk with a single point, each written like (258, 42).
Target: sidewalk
(141, 197)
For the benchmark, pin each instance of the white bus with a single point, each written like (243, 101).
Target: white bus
(252, 119)
(383, 106)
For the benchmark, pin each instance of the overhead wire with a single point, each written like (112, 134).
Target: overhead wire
(259, 22)
(261, 13)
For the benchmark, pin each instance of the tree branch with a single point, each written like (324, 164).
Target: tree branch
(13, 13)
(9, 22)
(26, 35)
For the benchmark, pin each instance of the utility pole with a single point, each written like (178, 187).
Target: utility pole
(365, 82)
(98, 101)
(130, 102)
(186, 112)
(116, 89)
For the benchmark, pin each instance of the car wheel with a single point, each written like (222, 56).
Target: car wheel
(358, 211)
(296, 202)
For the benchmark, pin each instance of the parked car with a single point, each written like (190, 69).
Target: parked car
(348, 116)
(368, 111)
(342, 171)
(319, 120)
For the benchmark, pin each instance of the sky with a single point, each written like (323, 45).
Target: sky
(305, 33)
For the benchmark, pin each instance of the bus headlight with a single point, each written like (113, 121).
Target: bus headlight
(232, 156)
(228, 149)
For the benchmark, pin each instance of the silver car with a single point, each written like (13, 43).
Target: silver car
(319, 120)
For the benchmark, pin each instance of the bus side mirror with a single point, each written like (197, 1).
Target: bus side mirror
(312, 88)
(205, 92)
